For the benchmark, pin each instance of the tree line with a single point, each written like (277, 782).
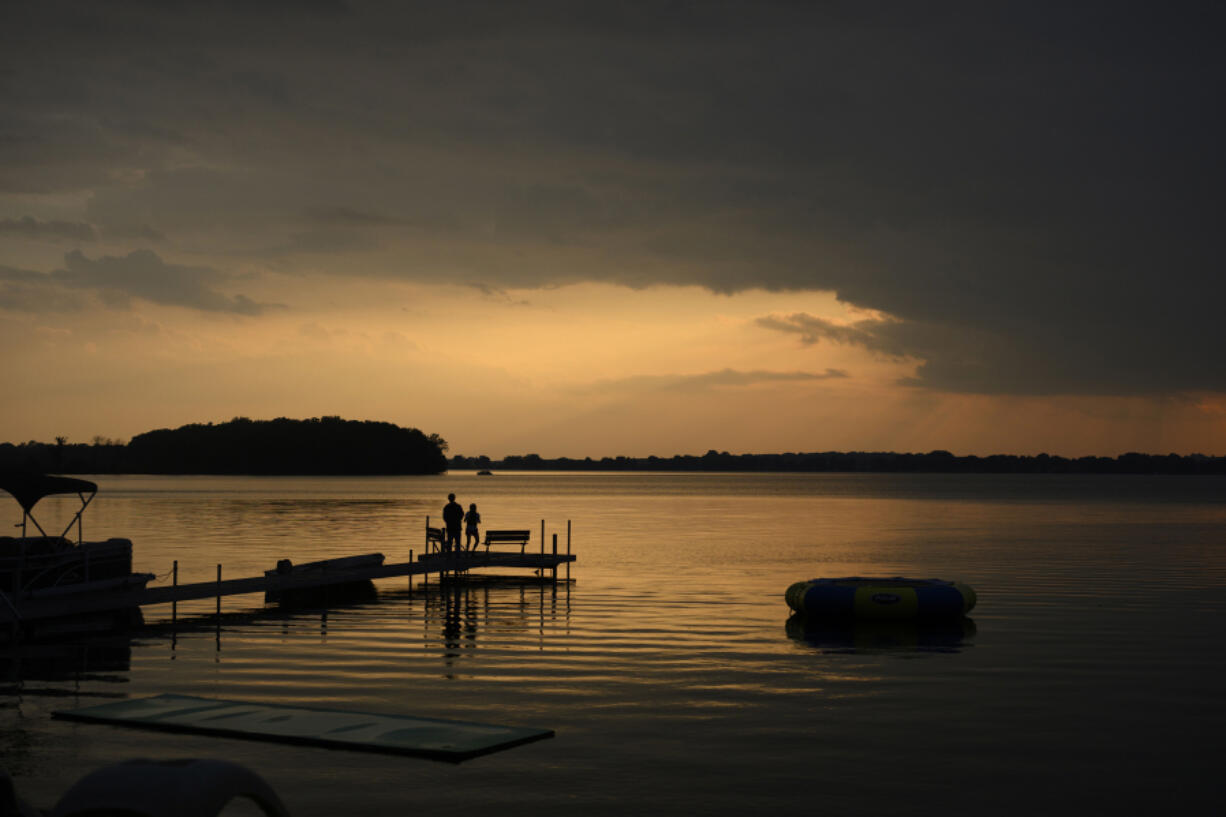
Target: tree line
(865, 461)
(321, 445)
(331, 445)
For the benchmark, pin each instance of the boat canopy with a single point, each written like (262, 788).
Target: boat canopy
(28, 488)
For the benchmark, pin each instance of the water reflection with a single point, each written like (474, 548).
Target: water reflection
(852, 636)
(451, 619)
(456, 613)
(675, 642)
(26, 667)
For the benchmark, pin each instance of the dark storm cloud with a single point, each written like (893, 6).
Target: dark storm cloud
(28, 227)
(339, 216)
(498, 295)
(34, 292)
(142, 274)
(1032, 189)
(866, 333)
(139, 232)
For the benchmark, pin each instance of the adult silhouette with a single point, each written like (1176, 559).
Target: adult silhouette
(453, 517)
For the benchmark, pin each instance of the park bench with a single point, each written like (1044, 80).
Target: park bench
(507, 537)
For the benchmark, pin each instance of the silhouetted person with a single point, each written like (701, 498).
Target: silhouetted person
(472, 520)
(453, 515)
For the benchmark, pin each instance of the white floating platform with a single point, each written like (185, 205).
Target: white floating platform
(333, 728)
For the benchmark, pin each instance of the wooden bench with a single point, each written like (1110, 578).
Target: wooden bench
(507, 537)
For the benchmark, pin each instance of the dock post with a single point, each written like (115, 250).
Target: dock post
(568, 552)
(410, 575)
(542, 537)
(174, 582)
(218, 612)
(555, 558)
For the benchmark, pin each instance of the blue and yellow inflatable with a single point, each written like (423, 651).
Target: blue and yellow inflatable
(866, 598)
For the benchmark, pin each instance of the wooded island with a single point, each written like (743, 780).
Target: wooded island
(318, 446)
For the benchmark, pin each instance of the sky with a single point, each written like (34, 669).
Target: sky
(600, 229)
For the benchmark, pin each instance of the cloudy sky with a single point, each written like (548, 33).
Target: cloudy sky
(620, 228)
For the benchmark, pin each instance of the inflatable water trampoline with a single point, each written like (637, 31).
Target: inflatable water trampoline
(867, 598)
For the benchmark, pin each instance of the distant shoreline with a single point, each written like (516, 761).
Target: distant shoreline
(331, 446)
(935, 462)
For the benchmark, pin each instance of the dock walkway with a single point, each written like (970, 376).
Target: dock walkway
(443, 564)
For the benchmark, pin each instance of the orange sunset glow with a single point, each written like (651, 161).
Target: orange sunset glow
(769, 229)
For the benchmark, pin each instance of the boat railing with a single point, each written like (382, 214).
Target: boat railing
(39, 562)
(28, 488)
(11, 607)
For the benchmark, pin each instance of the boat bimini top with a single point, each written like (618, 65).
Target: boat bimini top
(28, 488)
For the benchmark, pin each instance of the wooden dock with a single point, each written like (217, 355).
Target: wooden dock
(456, 564)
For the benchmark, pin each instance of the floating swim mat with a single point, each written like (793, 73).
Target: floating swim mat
(334, 728)
(869, 598)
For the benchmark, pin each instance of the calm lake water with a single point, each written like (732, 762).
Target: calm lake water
(1090, 680)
